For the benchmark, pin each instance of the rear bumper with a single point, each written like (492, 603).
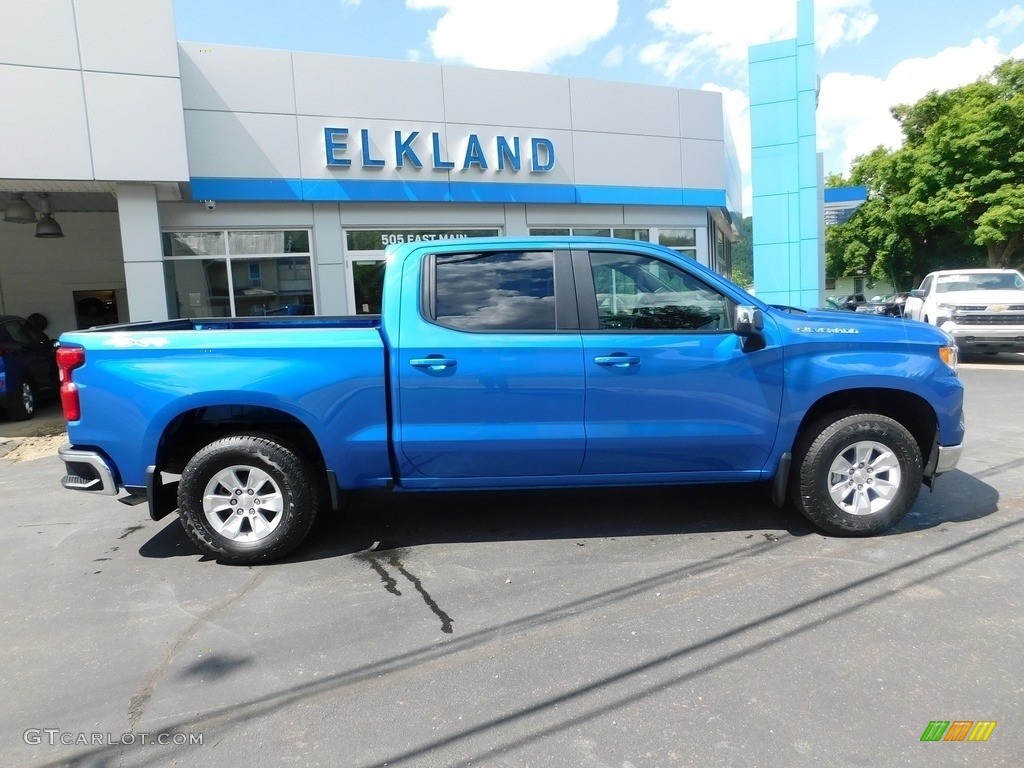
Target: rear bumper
(86, 471)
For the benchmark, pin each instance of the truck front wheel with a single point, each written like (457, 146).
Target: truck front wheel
(247, 499)
(857, 474)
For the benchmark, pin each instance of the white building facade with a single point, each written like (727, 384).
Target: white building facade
(195, 180)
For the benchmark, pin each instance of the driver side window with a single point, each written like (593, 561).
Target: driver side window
(642, 293)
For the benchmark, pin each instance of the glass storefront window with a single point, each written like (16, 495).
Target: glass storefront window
(254, 276)
(682, 240)
(365, 250)
(193, 244)
(643, 235)
(268, 242)
(198, 288)
(368, 282)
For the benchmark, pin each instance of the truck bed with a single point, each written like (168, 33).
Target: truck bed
(250, 323)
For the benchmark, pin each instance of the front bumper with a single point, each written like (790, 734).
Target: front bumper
(986, 338)
(86, 471)
(946, 459)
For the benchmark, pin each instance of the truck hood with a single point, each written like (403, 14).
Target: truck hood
(856, 326)
(981, 298)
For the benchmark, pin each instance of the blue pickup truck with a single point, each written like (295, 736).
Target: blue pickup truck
(506, 363)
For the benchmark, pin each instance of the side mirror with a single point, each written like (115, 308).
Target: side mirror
(917, 293)
(749, 321)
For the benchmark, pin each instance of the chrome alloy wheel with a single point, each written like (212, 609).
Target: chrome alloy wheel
(864, 477)
(243, 503)
(28, 399)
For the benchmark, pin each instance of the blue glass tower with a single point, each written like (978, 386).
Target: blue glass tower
(785, 168)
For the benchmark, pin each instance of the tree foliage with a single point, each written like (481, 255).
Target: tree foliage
(951, 196)
(743, 253)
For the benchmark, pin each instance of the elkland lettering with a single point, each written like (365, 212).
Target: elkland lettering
(411, 149)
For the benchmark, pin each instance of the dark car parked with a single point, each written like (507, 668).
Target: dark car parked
(891, 304)
(849, 301)
(28, 367)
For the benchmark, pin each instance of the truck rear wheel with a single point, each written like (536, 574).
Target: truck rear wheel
(857, 474)
(247, 499)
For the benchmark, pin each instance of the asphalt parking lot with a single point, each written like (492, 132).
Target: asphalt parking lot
(633, 627)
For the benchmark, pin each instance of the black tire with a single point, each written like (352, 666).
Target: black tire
(21, 403)
(247, 499)
(855, 474)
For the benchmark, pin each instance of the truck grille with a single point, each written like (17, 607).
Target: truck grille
(991, 319)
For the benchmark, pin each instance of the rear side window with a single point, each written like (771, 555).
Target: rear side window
(504, 291)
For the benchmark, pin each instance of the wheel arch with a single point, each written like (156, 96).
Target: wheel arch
(193, 429)
(907, 408)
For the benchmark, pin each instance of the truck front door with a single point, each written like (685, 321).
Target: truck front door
(490, 375)
(670, 388)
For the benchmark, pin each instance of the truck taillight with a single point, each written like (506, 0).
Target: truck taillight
(69, 358)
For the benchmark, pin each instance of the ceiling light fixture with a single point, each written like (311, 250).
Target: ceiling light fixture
(47, 226)
(19, 210)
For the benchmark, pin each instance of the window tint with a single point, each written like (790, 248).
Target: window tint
(643, 293)
(16, 332)
(983, 281)
(5, 332)
(507, 291)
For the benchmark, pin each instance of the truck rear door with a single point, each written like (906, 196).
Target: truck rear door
(489, 368)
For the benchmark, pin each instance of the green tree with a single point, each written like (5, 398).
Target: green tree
(961, 166)
(952, 195)
(880, 239)
(743, 253)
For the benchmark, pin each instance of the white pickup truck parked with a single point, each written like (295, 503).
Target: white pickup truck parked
(982, 309)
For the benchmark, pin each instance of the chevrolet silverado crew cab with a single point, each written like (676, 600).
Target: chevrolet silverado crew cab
(508, 363)
(982, 309)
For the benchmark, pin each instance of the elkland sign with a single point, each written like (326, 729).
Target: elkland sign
(413, 149)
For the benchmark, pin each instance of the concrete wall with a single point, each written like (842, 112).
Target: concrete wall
(81, 80)
(255, 121)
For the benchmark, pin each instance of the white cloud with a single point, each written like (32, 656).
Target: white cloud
(1007, 20)
(525, 35)
(722, 32)
(853, 110)
(614, 57)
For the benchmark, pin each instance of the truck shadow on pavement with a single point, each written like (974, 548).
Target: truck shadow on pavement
(384, 520)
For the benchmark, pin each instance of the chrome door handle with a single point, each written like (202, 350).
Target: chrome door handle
(617, 361)
(434, 363)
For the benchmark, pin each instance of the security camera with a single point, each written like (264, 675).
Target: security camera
(210, 204)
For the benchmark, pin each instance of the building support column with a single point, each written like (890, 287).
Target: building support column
(143, 253)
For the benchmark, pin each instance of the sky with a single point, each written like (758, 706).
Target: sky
(872, 54)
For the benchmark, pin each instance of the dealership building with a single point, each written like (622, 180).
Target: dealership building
(144, 178)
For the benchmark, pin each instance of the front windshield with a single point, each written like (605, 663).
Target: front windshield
(979, 282)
